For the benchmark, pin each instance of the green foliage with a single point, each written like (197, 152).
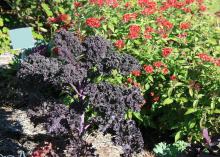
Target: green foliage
(183, 93)
(4, 40)
(37, 13)
(170, 150)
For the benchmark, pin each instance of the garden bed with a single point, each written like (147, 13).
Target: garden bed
(112, 79)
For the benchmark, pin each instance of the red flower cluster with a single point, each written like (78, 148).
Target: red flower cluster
(112, 3)
(205, 57)
(150, 7)
(183, 35)
(130, 81)
(134, 31)
(158, 64)
(149, 69)
(129, 16)
(119, 44)
(65, 18)
(189, 1)
(127, 5)
(93, 22)
(184, 25)
(202, 8)
(164, 23)
(173, 77)
(171, 3)
(166, 51)
(147, 33)
(97, 2)
(200, 1)
(77, 4)
(147, 3)
(61, 18)
(43, 151)
(187, 10)
(136, 73)
(165, 71)
(52, 20)
(217, 62)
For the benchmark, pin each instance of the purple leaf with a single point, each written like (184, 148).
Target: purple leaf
(205, 134)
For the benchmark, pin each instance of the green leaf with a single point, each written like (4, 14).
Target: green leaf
(1, 22)
(167, 101)
(191, 92)
(61, 10)
(178, 84)
(111, 27)
(138, 116)
(170, 90)
(212, 105)
(217, 111)
(150, 78)
(190, 111)
(5, 30)
(68, 100)
(192, 125)
(129, 115)
(178, 135)
(47, 9)
(195, 103)
(147, 86)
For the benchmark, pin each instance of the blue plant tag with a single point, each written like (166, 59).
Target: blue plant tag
(21, 38)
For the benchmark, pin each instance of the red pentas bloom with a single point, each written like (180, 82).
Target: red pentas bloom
(202, 8)
(93, 22)
(200, 1)
(173, 77)
(217, 62)
(179, 5)
(165, 6)
(136, 73)
(166, 51)
(149, 29)
(97, 2)
(129, 16)
(189, 1)
(129, 80)
(52, 19)
(183, 35)
(205, 57)
(147, 32)
(128, 5)
(64, 18)
(56, 50)
(165, 23)
(149, 69)
(77, 4)
(187, 10)
(147, 3)
(134, 31)
(184, 25)
(165, 71)
(119, 44)
(156, 99)
(158, 64)
(112, 3)
(137, 84)
(150, 7)
(148, 11)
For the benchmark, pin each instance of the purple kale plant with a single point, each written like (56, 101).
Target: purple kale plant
(68, 70)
